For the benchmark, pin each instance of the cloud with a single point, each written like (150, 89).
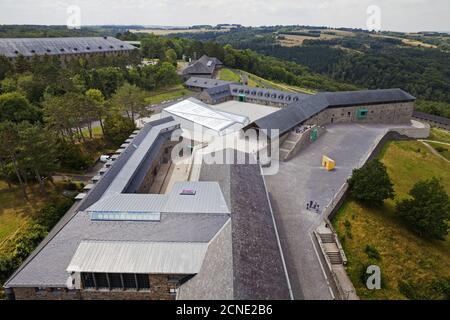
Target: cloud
(401, 15)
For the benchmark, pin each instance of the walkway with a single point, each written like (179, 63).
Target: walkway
(303, 179)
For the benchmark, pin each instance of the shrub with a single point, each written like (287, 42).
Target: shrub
(427, 212)
(371, 184)
(50, 214)
(372, 252)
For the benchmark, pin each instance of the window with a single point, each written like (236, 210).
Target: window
(101, 280)
(129, 281)
(143, 281)
(115, 281)
(87, 280)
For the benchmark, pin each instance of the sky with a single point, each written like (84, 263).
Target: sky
(394, 15)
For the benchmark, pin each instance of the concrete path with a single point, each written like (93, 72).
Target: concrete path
(303, 179)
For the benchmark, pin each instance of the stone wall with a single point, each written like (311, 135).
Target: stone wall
(380, 113)
(159, 290)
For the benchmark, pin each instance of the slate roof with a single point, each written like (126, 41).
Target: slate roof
(271, 95)
(257, 270)
(204, 83)
(12, 47)
(297, 112)
(431, 117)
(47, 264)
(204, 66)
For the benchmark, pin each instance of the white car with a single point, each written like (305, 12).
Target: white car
(104, 158)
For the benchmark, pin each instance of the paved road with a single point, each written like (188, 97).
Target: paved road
(302, 179)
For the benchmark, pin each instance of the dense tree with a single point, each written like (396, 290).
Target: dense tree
(171, 56)
(427, 212)
(5, 67)
(38, 152)
(9, 150)
(96, 105)
(371, 183)
(130, 100)
(107, 80)
(118, 128)
(15, 107)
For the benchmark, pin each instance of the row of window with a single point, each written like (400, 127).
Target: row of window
(124, 281)
(74, 49)
(266, 94)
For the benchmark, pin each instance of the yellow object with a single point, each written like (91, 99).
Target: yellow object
(328, 163)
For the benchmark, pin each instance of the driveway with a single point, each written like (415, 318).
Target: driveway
(303, 179)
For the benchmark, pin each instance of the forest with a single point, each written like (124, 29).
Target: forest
(363, 60)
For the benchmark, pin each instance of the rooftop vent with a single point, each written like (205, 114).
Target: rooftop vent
(88, 48)
(33, 51)
(16, 52)
(76, 49)
(48, 50)
(188, 192)
(62, 50)
(100, 47)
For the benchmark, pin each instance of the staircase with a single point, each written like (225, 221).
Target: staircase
(330, 248)
(289, 145)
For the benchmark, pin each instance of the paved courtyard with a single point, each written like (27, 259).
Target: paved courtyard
(303, 179)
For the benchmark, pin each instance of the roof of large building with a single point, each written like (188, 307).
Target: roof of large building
(138, 257)
(204, 66)
(197, 112)
(47, 265)
(297, 112)
(256, 269)
(205, 83)
(431, 117)
(13, 47)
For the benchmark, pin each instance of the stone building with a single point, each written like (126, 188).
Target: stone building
(63, 48)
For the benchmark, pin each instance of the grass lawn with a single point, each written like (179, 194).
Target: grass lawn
(444, 150)
(228, 75)
(96, 132)
(175, 92)
(439, 135)
(14, 211)
(404, 256)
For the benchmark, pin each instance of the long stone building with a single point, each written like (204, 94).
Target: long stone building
(64, 48)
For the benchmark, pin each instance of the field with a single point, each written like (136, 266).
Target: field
(258, 82)
(297, 40)
(14, 211)
(410, 266)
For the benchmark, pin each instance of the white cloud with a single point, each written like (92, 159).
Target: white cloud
(401, 15)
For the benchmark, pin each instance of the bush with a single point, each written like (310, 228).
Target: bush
(50, 214)
(371, 184)
(434, 290)
(427, 212)
(372, 252)
(440, 149)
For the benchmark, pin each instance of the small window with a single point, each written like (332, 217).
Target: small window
(88, 48)
(87, 280)
(115, 281)
(143, 281)
(129, 281)
(188, 192)
(101, 280)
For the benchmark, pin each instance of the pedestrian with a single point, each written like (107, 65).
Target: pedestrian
(307, 206)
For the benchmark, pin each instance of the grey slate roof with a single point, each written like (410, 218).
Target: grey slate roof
(272, 95)
(257, 269)
(12, 47)
(204, 66)
(297, 112)
(431, 117)
(46, 265)
(219, 92)
(364, 97)
(205, 83)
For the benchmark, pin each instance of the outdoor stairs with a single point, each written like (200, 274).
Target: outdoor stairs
(330, 248)
(288, 145)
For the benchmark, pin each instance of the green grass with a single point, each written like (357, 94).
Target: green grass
(175, 92)
(228, 75)
(439, 135)
(96, 132)
(404, 256)
(14, 211)
(444, 150)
